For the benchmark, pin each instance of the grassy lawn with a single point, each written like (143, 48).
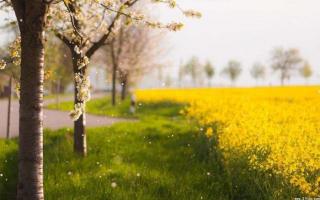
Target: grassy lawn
(162, 156)
(102, 106)
(159, 157)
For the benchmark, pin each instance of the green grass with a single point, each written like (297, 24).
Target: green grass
(166, 155)
(8, 168)
(54, 96)
(162, 156)
(102, 106)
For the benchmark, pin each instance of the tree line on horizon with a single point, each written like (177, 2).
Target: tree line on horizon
(283, 61)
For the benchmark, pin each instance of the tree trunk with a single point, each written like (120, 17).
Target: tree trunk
(80, 139)
(114, 77)
(282, 78)
(9, 108)
(31, 16)
(58, 94)
(123, 90)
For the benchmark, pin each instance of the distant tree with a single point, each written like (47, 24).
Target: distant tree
(193, 68)
(258, 71)
(285, 61)
(130, 54)
(11, 70)
(168, 81)
(209, 70)
(180, 74)
(306, 71)
(160, 74)
(232, 70)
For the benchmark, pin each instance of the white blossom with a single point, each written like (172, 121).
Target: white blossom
(84, 61)
(77, 50)
(77, 111)
(2, 64)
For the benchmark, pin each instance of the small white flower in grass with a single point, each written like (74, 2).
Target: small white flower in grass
(113, 184)
(138, 174)
(69, 173)
(208, 173)
(1, 175)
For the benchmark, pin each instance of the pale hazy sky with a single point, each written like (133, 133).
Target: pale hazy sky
(246, 30)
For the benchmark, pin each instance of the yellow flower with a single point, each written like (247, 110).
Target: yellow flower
(281, 123)
(209, 132)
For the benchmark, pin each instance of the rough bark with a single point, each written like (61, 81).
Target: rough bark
(31, 16)
(80, 139)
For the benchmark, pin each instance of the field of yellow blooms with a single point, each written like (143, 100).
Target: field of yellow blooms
(278, 128)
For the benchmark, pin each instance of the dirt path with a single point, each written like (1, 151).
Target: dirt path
(53, 119)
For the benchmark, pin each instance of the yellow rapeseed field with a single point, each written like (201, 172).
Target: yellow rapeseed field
(277, 128)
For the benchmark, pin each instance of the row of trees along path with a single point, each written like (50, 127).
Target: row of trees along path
(84, 26)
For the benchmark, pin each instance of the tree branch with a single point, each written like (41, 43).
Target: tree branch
(64, 39)
(103, 39)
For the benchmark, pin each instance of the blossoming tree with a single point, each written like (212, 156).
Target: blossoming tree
(83, 39)
(130, 54)
(90, 26)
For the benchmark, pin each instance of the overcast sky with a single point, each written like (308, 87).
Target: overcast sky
(246, 30)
